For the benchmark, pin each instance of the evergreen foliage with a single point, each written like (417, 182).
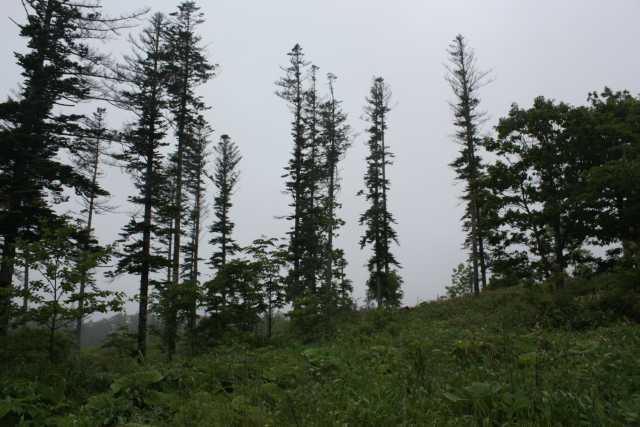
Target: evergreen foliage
(291, 90)
(146, 96)
(58, 68)
(225, 178)
(466, 80)
(187, 68)
(383, 284)
(335, 139)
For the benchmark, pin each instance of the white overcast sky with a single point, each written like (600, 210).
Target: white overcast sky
(561, 49)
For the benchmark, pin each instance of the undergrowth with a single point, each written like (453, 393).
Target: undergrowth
(512, 357)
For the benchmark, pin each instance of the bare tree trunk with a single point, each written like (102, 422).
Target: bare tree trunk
(88, 232)
(194, 269)
(269, 315)
(143, 303)
(25, 287)
(559, 255)
(474, 247)
(52, 335)
(6, 276)
(385, 234)
(172, 321)
(483, 262)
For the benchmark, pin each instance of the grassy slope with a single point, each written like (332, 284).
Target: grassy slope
(475, 361)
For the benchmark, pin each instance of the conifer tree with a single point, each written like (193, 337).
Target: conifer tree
(225, 178)
(335, 140)
(163, 214)
(189, 68)
(195, 168)
(384, 284)
(465, 81)
(58, 66)
(146, 97)
(291, 90)
(313, 173)
(342, 286)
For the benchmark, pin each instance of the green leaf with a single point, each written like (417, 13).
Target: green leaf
(453, 398)
(6, 406)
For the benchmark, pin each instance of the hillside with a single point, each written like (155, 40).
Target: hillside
(513, 357)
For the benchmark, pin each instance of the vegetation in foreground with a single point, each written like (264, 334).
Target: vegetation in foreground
(518, 356)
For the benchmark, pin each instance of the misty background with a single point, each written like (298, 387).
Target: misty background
(560, 49)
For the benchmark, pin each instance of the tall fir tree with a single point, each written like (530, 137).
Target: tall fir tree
(335, 140)
(313, 173)
(384, 284)
(225, 179)
(189, 68)
(195, 168)
(163, 213)
(466, 80)
(146, 96)
(291, 90)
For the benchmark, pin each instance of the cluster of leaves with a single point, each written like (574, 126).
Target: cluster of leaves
(560, 184)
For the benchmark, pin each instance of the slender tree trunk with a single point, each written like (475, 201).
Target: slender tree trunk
(270, 312)
(225, 221)
(6, 276)
(559, 255)
(473, 195)
(172, 318)
(483, 263)
(52, 336)
(25, 287)
(474, 247)
(385, 222)
(482, 257)
(195, 254)
(170, 254)
(54, 315)
(146, 253)
(88, 233)
(378, 243)
(331, 197)
(172, 321)
(482, 254)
